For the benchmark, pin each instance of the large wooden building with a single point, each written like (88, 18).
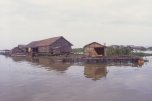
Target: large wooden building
(94, 49)
(51, 46)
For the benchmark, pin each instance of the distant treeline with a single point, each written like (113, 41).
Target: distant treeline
(116, 51)
(77, 50)
(141, 54)
(111, 51)
(125, 51)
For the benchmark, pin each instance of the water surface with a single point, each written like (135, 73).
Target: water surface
(48, 80)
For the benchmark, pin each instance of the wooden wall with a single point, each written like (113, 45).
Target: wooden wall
(44, 49)
(89, 50)
(61, 46)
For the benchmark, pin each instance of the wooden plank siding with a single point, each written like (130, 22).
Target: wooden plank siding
(61, 46)
(94, 49)
(43, 49)
(51, 46)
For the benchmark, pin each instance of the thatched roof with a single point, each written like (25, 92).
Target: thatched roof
(45, 42)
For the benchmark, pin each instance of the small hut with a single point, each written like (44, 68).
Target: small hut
(94, 49)
(22, 47)
(17, 52)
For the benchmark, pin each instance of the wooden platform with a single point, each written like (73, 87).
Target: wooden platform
(132, 59)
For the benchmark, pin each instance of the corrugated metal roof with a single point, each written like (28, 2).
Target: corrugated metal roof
(45, 42)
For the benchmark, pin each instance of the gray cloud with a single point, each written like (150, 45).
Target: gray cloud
(81, 21)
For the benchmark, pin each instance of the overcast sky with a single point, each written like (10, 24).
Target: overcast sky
(79, 21)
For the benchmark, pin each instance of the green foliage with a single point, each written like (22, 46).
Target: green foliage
(118, 51)
(141, 54)
(77, 50)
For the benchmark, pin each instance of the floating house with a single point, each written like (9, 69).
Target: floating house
(18, 51)
(51, 46)
(94, 49)
(23, 47)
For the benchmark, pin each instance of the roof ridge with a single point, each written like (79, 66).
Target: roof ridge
(44, 42)
(48, 38)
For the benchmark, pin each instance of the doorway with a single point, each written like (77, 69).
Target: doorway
(99, 50)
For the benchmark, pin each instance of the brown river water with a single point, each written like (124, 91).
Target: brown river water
(45, 80)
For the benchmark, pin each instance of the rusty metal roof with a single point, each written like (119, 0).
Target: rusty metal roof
(45, 42)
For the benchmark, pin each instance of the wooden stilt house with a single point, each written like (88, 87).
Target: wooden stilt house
(51, 46)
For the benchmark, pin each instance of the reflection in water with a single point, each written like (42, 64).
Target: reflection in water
(22, 81)
(138, 64)
(95, 71)
(47, 63)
